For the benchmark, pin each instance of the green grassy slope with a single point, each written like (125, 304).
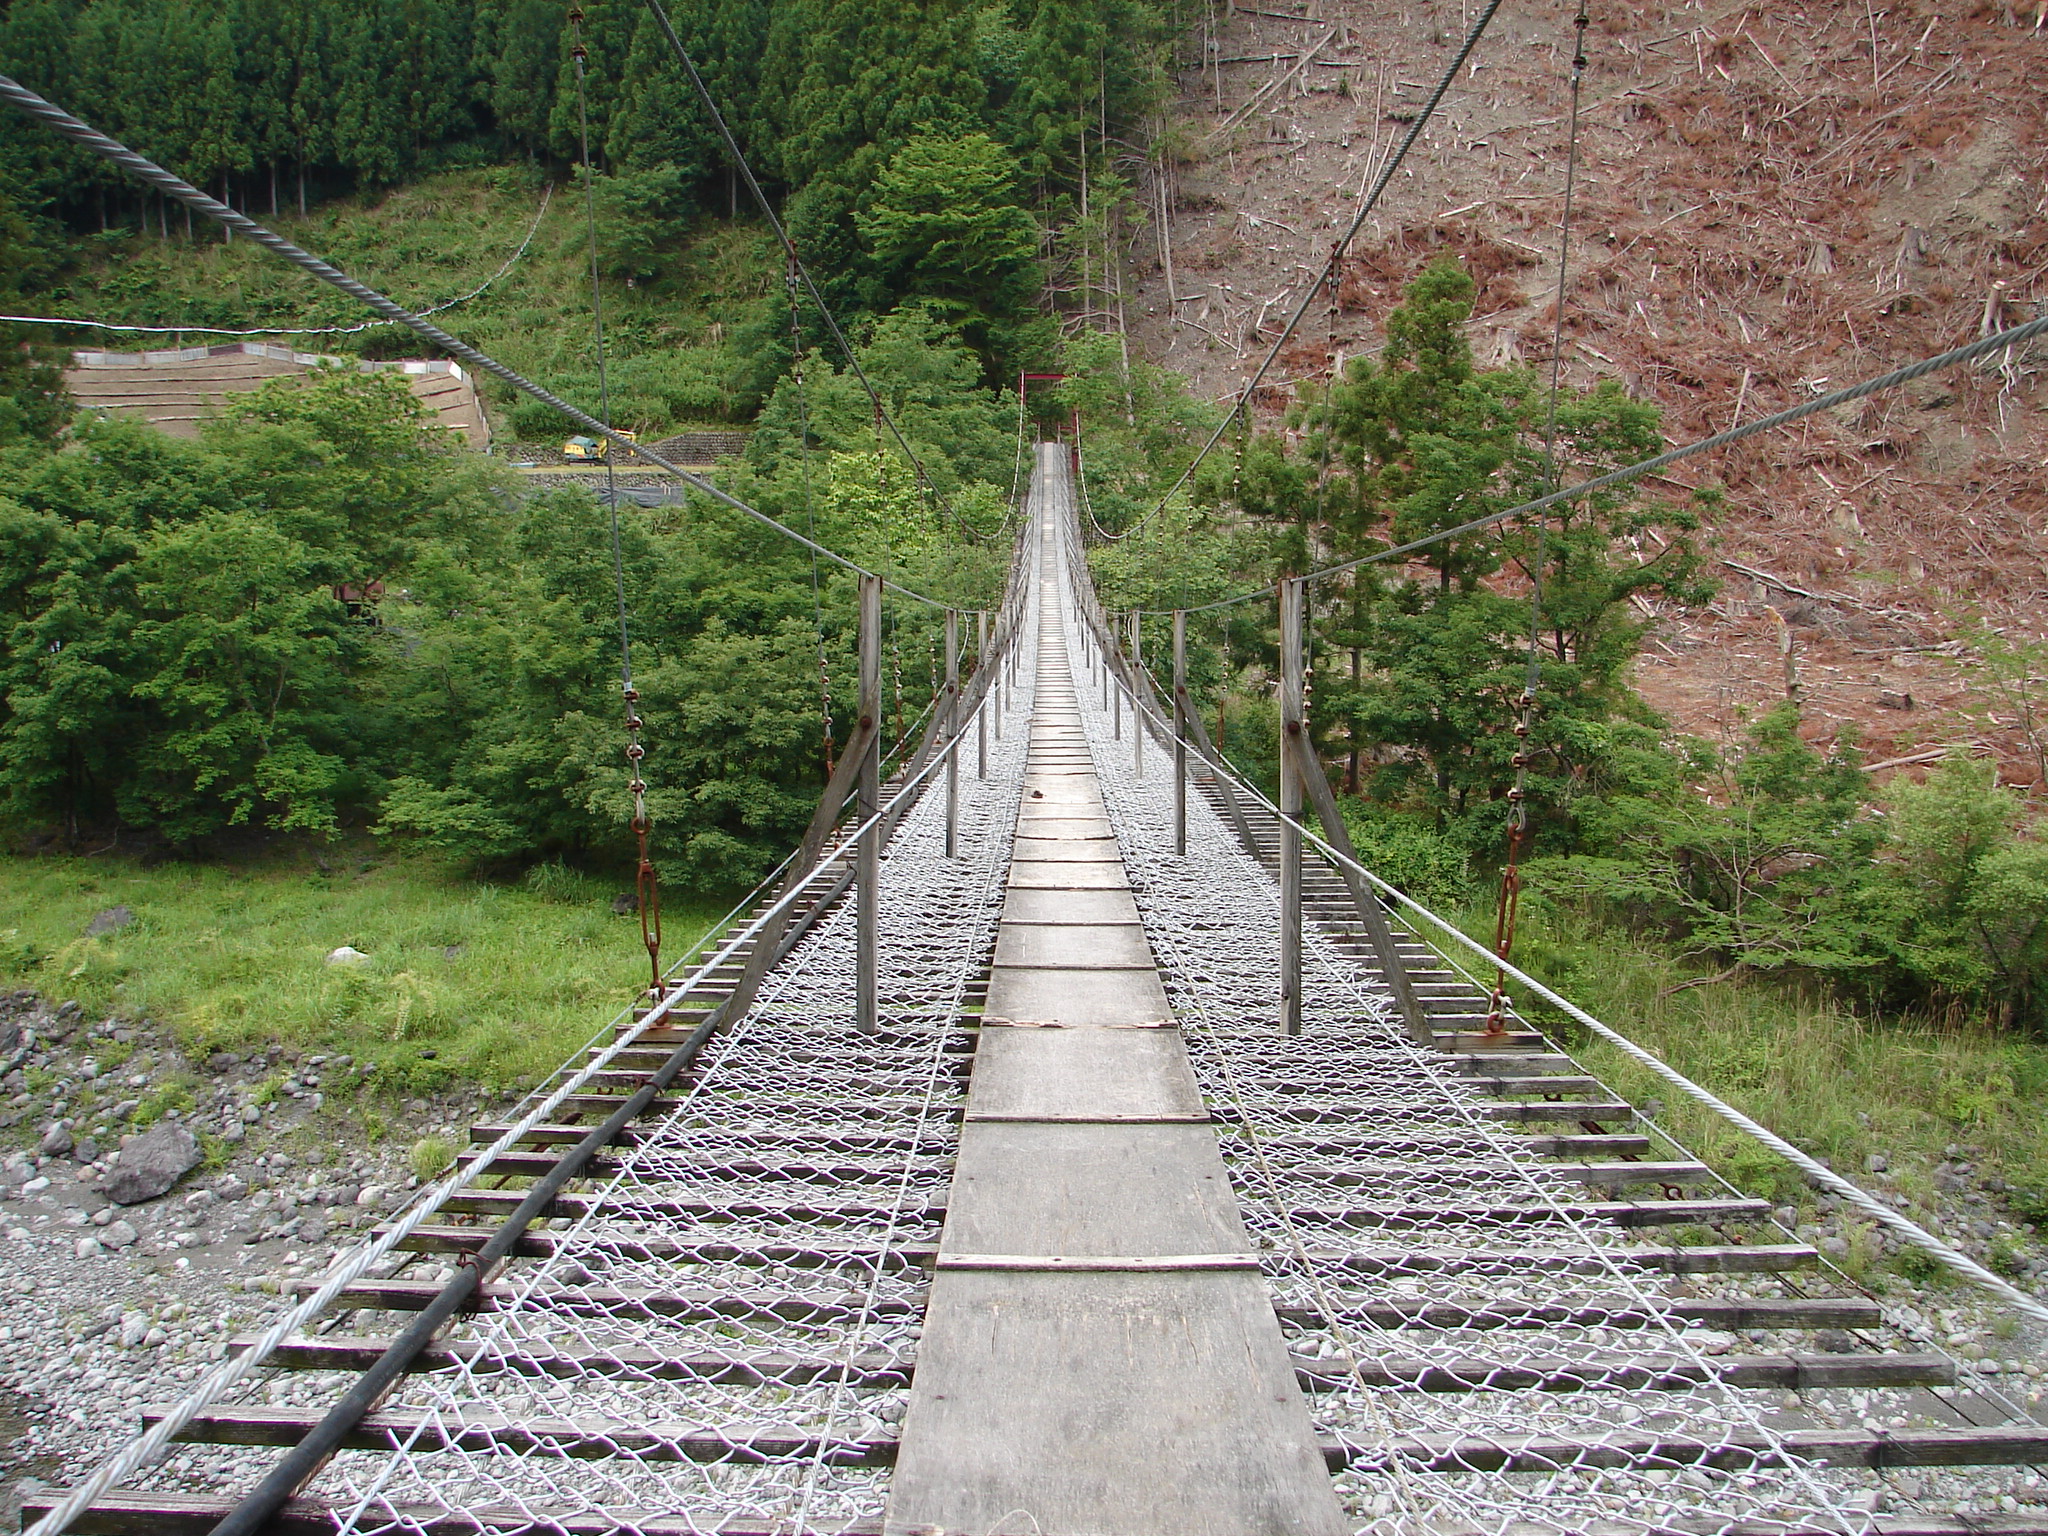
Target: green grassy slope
(673, 362)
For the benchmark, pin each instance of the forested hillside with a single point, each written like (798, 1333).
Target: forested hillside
(920, 146)
(317, 620)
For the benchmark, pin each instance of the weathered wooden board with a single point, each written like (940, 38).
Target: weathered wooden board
(1087, 908)
(1066, 1074)
(1098, 1404)
(1105, 946)
(1091, 1189)
(1038, 875)
(1078, 997)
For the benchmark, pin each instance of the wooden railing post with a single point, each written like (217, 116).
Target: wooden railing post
(952, 734)
(1293, 693)
(1180, 732)
(868, 858)
(1116, 732)
(1137, 670)
(981, 715)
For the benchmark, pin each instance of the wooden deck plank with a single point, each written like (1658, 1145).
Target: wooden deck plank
(1069, 1073)
(1120, 1395)
(1091, 1189)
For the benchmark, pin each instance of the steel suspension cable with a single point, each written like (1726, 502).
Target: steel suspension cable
(646, 880)
(66, 126)
(1333, 265)
(746, 171)
(1984, 346)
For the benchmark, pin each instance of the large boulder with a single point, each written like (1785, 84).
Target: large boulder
(151, 1163)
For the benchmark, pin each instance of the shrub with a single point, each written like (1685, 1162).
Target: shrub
(430, 1156)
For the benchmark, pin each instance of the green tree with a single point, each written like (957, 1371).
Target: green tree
(943, 222)
(1757, 859)
(1420, 441)
(1959, 899)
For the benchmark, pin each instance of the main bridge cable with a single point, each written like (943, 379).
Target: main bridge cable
(112, 150)
(1333, 266)
(739, 160)
(1984, 346)
(646, 880)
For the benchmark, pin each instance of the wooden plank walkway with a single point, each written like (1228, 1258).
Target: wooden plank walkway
(1100, 1352)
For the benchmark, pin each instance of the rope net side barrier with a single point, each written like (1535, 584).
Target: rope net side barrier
(718, 1331)
(1488, 1344)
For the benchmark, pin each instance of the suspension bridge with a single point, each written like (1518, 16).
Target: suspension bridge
(1068, 1140)
(1008, 1167)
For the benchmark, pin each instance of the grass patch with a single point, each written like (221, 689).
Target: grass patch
(1835, 1083)
(466, 981)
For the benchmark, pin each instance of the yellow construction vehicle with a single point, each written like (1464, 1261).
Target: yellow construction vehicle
(591, 450)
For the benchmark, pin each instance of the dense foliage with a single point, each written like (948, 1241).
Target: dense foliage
(917, 141)
(1770, 857)
(319, 615)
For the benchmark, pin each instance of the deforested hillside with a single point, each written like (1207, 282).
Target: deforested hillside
(1772, 202)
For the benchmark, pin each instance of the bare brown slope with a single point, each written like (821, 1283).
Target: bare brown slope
(1772, 201)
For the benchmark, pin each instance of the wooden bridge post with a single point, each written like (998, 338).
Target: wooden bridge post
(981, 715)
(952, 734)
(1137, 682)
(868, 857)
(1005, 636)
(1293, 593)
(1180, 732)
(1116, 729)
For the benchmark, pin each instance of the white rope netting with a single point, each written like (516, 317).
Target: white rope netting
(717, 1335)
(1492, 1350)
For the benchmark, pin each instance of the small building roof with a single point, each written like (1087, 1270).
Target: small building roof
(175, 390)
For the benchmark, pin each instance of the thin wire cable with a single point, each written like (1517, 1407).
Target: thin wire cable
(739, 160)
(1509, 906)
(1336, 257)
(578, 54)
(112, 150)
(1999, 341)
(303, 330)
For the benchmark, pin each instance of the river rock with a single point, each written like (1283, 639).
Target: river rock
(56, 1141)
(118, 1234)
(151, 1163)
